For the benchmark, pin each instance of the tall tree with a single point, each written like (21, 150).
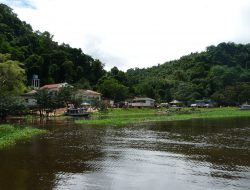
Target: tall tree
(112, 89)
(12, 76)
(42, 55)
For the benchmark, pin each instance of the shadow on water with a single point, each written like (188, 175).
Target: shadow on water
(34, 163)
(193, 154)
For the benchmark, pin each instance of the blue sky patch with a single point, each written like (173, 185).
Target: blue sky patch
(19, 3)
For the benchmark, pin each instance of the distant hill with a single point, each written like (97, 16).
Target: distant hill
(221, 72)
(41, 55)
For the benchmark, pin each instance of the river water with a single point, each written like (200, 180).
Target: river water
(188, 155)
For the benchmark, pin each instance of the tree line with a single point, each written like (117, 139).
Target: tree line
(221, 72)
(208, 74)
(12, 86)
(53, 62)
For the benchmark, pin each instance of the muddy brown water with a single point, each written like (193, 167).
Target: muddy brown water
(194, 154)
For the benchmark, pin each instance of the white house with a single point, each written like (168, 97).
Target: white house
(143, 102)
(29, 98)
(176, 103)
(89, 96)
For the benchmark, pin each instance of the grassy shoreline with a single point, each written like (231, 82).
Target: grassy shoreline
(9, 134)
(119, 117)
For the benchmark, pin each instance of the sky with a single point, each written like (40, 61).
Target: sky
(138, 33)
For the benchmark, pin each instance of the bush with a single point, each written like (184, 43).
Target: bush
(11, 105)
(103, 107)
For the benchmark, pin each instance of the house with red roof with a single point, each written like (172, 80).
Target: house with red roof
(55, 87)
(29, 97)
(87, 96)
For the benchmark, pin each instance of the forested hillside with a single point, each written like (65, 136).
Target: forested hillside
(221, 72)
(41, 55)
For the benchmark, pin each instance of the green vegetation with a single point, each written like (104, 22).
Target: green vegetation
(49, 101)
(53, 63)
(220, 73)
(24, 52)
(117, 117)
(113, 89)
(9, 134)
(12, 79)
(12, 75)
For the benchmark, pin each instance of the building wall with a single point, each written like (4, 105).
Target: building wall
(30, 101)
(146, 103)
(89, 97)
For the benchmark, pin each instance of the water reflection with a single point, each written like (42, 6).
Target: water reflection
(195, 154)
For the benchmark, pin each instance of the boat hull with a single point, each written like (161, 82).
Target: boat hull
(77, 114)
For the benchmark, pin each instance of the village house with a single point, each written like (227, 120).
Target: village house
(55, 87)
(202, 104)
(29, 98)
(176, 103)
(89, 96)
(142, 102)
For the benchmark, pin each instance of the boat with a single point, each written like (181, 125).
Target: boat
(245, 107)
(76, 112)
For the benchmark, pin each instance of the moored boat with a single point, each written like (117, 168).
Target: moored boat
(77, 112)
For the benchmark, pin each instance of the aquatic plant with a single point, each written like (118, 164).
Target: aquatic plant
(118, 117)
(10, 134)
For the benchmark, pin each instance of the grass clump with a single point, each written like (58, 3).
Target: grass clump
(118, 117)
(9, 134)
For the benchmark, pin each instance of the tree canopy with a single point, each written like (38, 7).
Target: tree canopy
(41, 55)
(215, 73)
(220, 72)
(12, 83)
(12, 75)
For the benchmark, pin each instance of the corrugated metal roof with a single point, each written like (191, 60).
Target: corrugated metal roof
(30, 93)
(89, 92)
(51, 86)
(143, 98)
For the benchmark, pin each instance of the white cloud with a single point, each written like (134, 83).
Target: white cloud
(19, 3)
(140, 33)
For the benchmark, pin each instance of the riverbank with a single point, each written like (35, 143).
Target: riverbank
(9, 134)
(117, 117)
